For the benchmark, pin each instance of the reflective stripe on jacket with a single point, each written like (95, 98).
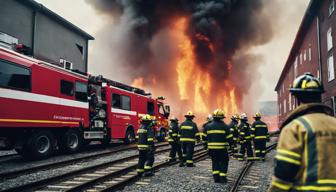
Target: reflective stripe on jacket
(188, 130)
(305, 159)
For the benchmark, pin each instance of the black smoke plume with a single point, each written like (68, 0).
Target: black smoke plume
(232, 27)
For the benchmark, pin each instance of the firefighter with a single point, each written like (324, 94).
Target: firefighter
(305, 157)
(146, 146)
(259, 133)
(203, 138)
(174, 141)
(219, 139)
(188, 131)
(235, 132)
(245, 139)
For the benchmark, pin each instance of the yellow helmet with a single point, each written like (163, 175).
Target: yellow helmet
(235, 117)
(189, 114)
(146, 118)
(257, 115)
(306, 83)
(219, 113)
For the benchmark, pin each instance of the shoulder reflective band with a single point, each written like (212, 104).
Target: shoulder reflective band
(187, 139)
(261, 126)
(216, 132)
(229, 136)
(187, 127)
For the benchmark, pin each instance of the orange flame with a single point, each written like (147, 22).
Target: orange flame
(138, 82)
(195, 84)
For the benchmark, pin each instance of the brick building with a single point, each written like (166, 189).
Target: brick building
(312, 51)
(48, 36)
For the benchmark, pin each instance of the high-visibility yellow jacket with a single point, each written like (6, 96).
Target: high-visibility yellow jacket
(306, 158)
(218, 135)
(145, 135)
(188, 131)
(259, 130)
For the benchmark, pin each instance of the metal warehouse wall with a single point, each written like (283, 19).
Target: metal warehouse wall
(17, 20)
(52, 40)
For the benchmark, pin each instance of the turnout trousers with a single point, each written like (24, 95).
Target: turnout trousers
(175, 148)
(220, 162)
(188, 153)
(146, 160)
(246, 147)
(260, 148)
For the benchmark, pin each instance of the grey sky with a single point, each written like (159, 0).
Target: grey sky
(288, 15)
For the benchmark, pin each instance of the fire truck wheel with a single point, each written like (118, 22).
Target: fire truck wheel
(129, 136)
(71, 141)
(40, 145)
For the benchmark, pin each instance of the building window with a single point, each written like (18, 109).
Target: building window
(329, 39)
(67, 88)
(300, 58)
(280, 109)
(318, 74)
(305, 55)
(331, 7)
(284, 106)
(14, 76)
(309, 54)
(283, 88)
(331, 70)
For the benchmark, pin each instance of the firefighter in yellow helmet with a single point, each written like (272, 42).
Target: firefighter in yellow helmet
(305, 159)
(188, 131)
(245, 139)
(219, 140)
(259, 133)
(146, 146)
(174, 141)
(235, 132)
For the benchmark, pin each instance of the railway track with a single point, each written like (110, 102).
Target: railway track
(85, 177)
(245, 170)
(53, 165)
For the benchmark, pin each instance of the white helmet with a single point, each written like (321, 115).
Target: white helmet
(243, 116)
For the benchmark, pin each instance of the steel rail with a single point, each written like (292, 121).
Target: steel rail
(245, 170)
(44, 182)
(53, 165)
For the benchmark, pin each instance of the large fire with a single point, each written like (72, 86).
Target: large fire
(195, 84)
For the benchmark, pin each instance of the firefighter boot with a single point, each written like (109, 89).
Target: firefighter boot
(222, 179)
(182, 164)
(216, 178)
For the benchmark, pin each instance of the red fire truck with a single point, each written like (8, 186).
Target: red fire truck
(44, 107)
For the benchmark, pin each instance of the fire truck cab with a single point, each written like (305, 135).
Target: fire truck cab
(44, 107)
(116, 109)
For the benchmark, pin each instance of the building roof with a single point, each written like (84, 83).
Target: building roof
(39, 7)
(308, 18)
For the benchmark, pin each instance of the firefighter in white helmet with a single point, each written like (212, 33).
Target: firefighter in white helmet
(245, 139)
